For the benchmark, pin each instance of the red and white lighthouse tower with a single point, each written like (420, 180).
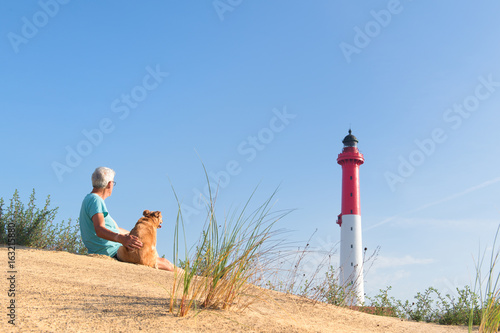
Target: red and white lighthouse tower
(351, 254)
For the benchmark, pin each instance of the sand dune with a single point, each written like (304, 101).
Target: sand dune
(63, 292)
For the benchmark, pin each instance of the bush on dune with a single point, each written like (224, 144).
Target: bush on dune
(28, 225)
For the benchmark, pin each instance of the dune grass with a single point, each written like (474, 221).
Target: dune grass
(228, 257)
(488, 288)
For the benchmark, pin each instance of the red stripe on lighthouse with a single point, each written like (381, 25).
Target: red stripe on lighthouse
(350, 159)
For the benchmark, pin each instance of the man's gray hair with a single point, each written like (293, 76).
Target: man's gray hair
(102, 176)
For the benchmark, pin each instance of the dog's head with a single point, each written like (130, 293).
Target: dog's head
(154, 216)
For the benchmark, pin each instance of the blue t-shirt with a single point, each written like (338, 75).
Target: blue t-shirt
(91, 205)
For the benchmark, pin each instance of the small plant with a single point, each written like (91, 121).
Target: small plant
(331, 291)
(423, 309)
(35, 227)
(383, 305)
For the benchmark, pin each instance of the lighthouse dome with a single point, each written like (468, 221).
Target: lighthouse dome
(350, 140)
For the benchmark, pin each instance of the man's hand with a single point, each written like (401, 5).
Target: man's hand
(131, 242)
(124, 237)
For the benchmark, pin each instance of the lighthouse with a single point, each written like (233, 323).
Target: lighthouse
(349, 220)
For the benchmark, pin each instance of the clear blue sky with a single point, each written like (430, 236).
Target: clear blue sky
(267, 89)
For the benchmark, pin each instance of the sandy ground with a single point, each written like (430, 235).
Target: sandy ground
(63, 292)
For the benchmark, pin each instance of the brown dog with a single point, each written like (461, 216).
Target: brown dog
(145, 229)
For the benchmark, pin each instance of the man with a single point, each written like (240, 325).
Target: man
(99, 231)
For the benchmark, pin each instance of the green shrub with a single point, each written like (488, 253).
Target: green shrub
(27, 225)
(459, 311)
(422, 309)
(431, 306)
(383, 305)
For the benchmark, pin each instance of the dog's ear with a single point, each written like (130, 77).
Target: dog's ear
(146, 212)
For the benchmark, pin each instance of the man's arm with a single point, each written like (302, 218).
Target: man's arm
(127, 240)
(123, 231)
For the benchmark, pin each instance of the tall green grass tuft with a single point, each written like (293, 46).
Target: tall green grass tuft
(489, 290)
(31, 226)
(228, 258)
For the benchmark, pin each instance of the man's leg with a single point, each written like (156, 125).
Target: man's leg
(166, 265)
